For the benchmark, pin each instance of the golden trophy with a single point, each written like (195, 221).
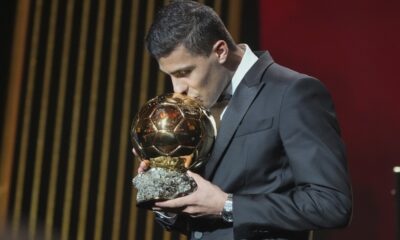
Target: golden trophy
(175, 133)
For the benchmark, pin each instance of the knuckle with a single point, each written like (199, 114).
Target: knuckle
(190, 210)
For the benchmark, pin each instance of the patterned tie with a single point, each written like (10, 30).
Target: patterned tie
(219, 107)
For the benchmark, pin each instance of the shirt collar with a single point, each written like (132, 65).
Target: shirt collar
(248, 60)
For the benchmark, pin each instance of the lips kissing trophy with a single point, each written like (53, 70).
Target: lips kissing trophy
(175, 133)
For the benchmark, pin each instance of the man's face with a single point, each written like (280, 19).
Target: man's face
(198, 76)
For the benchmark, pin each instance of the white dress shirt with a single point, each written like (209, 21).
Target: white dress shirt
(248, 60)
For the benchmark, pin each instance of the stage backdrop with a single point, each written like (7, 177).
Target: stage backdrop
(354, 48)
(79, 72)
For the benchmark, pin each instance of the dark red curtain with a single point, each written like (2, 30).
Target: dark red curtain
(354, 48)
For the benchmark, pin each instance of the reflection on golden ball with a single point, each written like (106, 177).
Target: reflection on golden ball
(174, 125)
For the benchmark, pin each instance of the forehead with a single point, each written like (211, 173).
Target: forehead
(179, 58)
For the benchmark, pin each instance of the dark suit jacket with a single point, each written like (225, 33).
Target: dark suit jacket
(280, 153)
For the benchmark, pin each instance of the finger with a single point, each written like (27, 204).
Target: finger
(141, 169)
(195, 176)
(145, 163)
(192, 174)
(171, 210)
(144, 166)
(174, 203)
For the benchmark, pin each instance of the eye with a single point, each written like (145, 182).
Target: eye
(182, 73)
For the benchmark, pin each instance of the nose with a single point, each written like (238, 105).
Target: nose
(179, 85)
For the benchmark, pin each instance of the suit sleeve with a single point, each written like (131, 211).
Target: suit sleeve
(173, 222)
(321, 194)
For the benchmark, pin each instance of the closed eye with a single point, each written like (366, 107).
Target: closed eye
(182, 73)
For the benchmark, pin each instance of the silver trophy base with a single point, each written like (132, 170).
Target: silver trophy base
(159, 184)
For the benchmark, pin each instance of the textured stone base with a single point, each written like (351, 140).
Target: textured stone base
(161, 184)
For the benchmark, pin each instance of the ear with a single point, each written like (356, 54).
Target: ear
(221, 51)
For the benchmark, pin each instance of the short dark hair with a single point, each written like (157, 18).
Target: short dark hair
(191, 24)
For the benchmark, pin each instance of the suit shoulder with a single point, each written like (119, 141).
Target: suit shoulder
(282, 75)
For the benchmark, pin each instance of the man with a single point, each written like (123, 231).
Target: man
(278, 166)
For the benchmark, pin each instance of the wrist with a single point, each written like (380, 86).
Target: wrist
(227, 211)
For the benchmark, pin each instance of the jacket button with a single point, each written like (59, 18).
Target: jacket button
(197, 235)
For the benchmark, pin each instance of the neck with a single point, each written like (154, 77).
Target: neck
(234, 58)
(232, 63)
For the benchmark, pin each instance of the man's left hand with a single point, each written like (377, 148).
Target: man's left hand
(208, 199)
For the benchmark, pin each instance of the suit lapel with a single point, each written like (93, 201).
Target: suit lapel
(237, 108)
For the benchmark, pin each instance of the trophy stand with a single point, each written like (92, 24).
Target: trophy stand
(166, 179)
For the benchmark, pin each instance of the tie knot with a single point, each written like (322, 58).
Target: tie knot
(225, 97)
(219, 107)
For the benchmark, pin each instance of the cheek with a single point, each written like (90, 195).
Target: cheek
(209, 87)
(201, 81)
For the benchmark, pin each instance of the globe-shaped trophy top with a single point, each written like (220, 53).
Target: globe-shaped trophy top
(174, 125)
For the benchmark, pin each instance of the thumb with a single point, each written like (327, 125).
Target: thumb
(195, 176)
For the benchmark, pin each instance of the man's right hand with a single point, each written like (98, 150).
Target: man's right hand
(144, 163)
(144, 166)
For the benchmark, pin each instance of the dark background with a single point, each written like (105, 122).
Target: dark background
(354, 48)
(7, 10)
